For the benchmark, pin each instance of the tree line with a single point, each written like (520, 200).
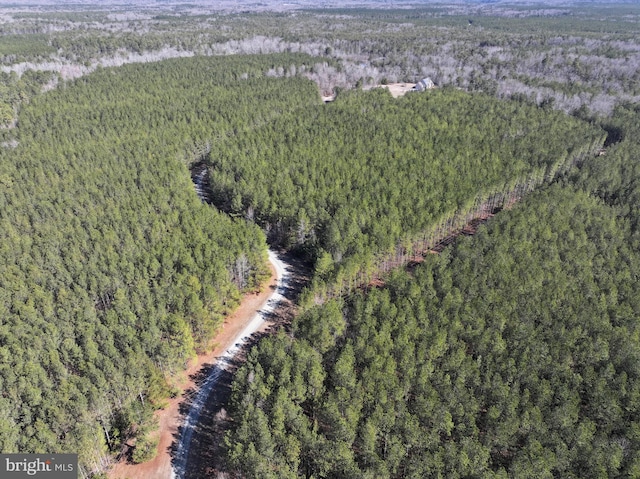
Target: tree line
(500, 50)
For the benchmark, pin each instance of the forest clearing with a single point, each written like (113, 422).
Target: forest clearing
(398, 89)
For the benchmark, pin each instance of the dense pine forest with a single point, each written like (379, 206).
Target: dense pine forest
(113, 272)
(511, 353)
(366, 172)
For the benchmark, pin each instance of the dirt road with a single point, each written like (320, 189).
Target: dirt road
(174, 436)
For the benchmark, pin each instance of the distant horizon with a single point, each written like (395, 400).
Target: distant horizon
(300, 3)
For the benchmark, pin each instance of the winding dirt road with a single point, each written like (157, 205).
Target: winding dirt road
(176, 432)
(191, 420)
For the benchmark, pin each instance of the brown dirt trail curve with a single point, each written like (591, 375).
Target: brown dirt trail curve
(170, 417)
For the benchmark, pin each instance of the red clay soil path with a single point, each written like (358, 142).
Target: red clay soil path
(170, 418)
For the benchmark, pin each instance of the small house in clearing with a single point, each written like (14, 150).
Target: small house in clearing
(424, 84)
